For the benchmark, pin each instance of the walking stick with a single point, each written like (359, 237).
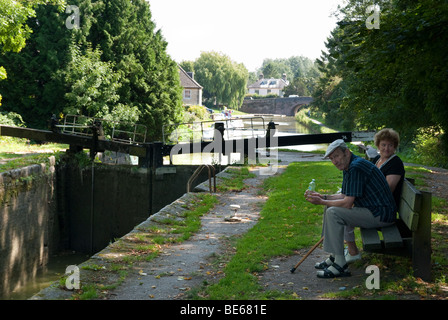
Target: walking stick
(306, 256)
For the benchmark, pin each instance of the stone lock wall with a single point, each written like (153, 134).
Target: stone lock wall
(28, 223)
(45, 209)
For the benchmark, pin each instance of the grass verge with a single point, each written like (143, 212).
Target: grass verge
(287, 222)
(18, 153)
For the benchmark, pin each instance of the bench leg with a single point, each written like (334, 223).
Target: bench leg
(421, 241)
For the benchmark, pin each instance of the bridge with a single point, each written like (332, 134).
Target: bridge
(284, 106)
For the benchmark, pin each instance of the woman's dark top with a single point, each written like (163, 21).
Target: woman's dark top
(393, 165)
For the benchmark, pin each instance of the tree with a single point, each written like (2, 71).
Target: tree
(293, 67)
(13, 17)
(297, 86)
(300, 71)
(92, 85)
(224, 81)
(13, 28)
(127, 72)
(124, 32)
(188, 66)
(272, 70)
(31, 89)
(393, 76)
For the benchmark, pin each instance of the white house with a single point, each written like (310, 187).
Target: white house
(264, 86)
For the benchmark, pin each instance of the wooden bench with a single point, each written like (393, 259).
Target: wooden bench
(410, 235)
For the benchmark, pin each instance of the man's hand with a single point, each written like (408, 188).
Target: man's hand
(313, 197)
(312, 193)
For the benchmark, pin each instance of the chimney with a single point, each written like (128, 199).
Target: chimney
(261, 76)
(284, 77)
(191, 75)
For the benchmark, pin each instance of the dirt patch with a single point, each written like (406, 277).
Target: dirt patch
(437, 182)
(303, 282)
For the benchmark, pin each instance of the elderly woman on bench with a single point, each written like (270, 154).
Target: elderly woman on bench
(386, 141)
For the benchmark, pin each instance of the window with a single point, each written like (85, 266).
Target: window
(187, 94)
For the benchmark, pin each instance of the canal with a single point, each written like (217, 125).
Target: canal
(58, 263)
(235, 128)
(45, 276)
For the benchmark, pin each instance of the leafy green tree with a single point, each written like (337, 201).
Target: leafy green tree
(13, 17)
(301, 72)
(188, 66)
(293, 67)
(124, 32)
(126, 74)
(92, 87)
(297, 86)
(393, 76)
(224, 81)
(272, 70)
(13, 28)
(31, 89)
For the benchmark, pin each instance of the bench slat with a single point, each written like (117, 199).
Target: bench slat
(409, 216)
(370, 239)
(392, 237)
(415, 219)
(410, 204)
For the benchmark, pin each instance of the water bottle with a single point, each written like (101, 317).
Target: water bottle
(312, 186)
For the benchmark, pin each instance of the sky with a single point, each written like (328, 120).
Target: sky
(248, 31)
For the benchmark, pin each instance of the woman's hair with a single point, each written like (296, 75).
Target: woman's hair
(387, 134)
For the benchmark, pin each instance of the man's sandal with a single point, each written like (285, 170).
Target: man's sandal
(341, 272)
(323, 265)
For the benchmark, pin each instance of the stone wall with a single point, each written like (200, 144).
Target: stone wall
(28, 223)
(45, 209)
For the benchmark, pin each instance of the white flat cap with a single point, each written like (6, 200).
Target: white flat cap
(335, 144)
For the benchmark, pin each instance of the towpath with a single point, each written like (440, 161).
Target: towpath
(185, 266)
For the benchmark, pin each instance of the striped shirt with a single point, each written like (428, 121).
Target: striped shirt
(364, 181)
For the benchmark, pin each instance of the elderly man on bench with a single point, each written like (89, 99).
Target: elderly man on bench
(365, 201)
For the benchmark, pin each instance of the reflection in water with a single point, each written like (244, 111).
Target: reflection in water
(289, 126)
(54, 270)
(244, 128)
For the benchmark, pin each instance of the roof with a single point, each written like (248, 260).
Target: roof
(186, 81)
(269, 84)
